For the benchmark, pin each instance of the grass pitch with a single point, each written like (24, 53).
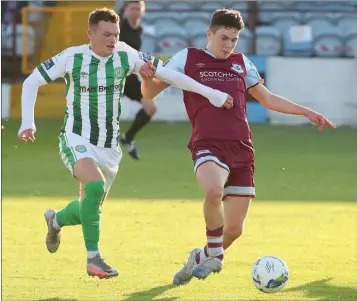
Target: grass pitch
(304, 213)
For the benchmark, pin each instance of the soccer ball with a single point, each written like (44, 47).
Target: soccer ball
(270, 274)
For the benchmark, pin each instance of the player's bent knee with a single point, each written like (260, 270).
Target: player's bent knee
(150, 110)
(214, 194)
(149, 107)
(86, 170)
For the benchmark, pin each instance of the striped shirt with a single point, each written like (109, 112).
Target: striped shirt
(94, 88)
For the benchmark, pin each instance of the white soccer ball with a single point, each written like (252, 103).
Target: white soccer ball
(270, 274)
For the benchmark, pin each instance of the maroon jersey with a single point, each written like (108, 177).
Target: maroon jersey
(232, 76)
(209, 122)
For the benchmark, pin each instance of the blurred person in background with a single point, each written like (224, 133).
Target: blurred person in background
(131, 32)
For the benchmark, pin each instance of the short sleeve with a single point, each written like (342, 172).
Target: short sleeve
(54, 67)
(252, 76)
(178, 61)
(138, 59)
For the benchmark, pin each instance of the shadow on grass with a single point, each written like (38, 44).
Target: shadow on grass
(145, 295)
(151, 294)
(322, 290)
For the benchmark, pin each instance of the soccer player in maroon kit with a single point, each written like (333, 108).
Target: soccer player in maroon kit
(221, 145)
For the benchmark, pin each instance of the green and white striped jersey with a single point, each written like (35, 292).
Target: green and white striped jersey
(94, 88)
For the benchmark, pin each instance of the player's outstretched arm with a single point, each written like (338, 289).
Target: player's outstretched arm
(152, 87)
(278, 103)
(139, 60)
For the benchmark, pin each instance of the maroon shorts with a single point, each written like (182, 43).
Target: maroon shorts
(235, 156)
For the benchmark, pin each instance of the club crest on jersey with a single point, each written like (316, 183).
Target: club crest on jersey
(237, 68)
(119, 72)
(80, 148)
(146, 57)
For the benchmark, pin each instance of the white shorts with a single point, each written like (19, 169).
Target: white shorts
(74, 147)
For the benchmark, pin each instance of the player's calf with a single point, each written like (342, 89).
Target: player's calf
(231, 234)
(235, 212)
(69, 215)
(90, 214)
(212, 177)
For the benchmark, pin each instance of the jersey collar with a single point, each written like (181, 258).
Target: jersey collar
(98, 56)
(210, 53)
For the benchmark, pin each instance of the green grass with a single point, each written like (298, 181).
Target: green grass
(304, 214)
(292, 163)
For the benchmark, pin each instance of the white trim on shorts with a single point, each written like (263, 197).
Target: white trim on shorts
(202, 160)
(239, 190)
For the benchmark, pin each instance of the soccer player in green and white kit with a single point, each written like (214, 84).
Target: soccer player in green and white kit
(95, 77)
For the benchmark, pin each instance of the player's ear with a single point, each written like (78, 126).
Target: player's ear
(143, 7)
(126, 10)
(209, 34)
(91, 30)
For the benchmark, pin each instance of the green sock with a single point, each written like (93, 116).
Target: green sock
(69, 215)
(90, 214)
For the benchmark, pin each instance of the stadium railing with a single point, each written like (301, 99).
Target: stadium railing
(70, 17)
(59, 42)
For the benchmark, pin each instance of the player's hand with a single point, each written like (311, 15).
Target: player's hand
(147, 70)
(229, 103)
(320, 120)
(27, 135)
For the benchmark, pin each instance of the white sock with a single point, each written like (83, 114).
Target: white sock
(92, 254)
(55, 224)
(203, 253)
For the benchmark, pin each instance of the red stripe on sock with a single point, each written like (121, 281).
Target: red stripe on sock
(205, 249)
(215, 233)
(212, 245)
(197, 257)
